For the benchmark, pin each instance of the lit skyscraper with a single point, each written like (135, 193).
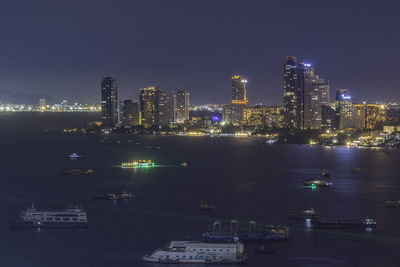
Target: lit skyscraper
(316, 95)
(149, 105)
(344, 109)
(109, 102)
(166, 109)
(239, 98)
(293, 93)
(181, 105)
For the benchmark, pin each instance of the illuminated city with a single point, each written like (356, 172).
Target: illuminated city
(150, 132)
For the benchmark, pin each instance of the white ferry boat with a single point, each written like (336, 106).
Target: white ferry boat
(74, 217)
(198, 252)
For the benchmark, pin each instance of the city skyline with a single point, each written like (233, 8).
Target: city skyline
(340, 40)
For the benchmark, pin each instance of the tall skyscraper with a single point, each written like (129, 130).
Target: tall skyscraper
(344, 109)
(181, 105)
(109, 101)
(42, 102)
(130, 113)
(293, 93)
(166, 109)
(239, 98)
(149, 100)
(359, 116)
(316, 95)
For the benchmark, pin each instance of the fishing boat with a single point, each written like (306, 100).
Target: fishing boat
(206, 207)
(317, 183)
(303, 214)
(75, 156)
(344, 224)
(392, 203)
(355, 169)
(78, 172)
(112, 196)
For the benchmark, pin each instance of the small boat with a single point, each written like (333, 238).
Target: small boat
(261, 250)
(392, 203)
(304, 214)
(112, 196)
(184, 164)
(206, 207)
(138, 164)
(125, 195)
(326, 174)
(107, 197)
(317, 183)
(75, 156)
(344, 224)
(355, 169)
(78, 172)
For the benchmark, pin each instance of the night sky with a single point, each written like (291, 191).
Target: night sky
(64, 48)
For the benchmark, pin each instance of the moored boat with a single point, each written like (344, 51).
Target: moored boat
(78, 172)
(304, 214)
(138, 164)
(392, 203)
(112, 196)
(223, 232)
(75, 156)
(344, 224)
(73, 217)
(206, 207)
(198, 252)
(317, 183)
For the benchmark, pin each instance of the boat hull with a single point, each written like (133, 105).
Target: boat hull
(199, 261)
(19, 224)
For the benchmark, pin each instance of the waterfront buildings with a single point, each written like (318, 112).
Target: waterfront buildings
(344, 109)
(359, 116)
(109, 102)
(149, 101)
(130, 113)
(227, 113)
(264, 116)
(166, 109)
(239, 98)
(293, 93)
(181, 105)
(42, 103)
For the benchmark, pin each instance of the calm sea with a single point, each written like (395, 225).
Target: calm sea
(245, 178)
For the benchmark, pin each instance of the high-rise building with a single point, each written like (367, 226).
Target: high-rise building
(293, 93)
(227, 113)
(375, 115)
(359, 116)
(344, 109)
(262, 116)
(166, 109)
(316, 95)
(328, 117)
(181, 105)
(149, 101)
(130, 113)
(109, 102)
(42, 102)
(239, 98)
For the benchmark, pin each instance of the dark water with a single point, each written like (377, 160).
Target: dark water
(243, 177)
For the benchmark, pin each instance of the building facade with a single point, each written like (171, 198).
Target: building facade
(149, 101)
(239, 98)
(344, 109)
(130, 113)
(181, 106)
(293, 93)
(265, 116)
(109, 102)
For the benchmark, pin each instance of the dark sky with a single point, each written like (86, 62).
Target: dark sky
(64, 48)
